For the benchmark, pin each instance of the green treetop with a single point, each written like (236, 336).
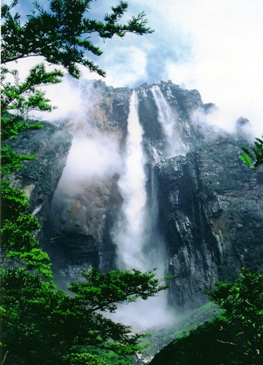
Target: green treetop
(62, 34)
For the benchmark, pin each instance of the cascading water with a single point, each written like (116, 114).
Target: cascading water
(129, 230)
(135, 232)
(168, 120)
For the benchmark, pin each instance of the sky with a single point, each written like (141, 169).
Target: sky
(214, 46)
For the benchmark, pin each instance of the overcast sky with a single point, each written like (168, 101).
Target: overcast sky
(214, 46)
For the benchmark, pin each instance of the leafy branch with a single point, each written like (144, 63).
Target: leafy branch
(253, 156)
(62, 34)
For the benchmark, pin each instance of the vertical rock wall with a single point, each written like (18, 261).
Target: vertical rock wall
(208, 209)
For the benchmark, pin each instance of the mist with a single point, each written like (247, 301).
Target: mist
(89, 159)
(128, 231)
(139, 244)
(168, 120)
(210, 121)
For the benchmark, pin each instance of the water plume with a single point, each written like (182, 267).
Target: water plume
(138, 243)
(88, 159)
(168, 120)
(128, 233)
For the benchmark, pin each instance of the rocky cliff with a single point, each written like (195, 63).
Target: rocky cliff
(205, 208)
(39, 177)
(211, 214)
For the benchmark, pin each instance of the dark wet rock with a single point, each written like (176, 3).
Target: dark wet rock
(40, 177)
(210, 205)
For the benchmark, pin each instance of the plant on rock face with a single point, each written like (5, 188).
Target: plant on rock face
(253, 156)
(83, 359)
(242, 322)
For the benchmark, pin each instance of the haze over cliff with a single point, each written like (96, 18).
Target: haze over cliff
(138, 179)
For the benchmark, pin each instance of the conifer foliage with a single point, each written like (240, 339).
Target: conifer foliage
(235, 337)
(62, 34)
(41, 324)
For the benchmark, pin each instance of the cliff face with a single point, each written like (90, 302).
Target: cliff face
(40, 177)
(211, 214)
(206, 206)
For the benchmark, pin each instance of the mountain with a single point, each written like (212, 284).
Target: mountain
(147, 183)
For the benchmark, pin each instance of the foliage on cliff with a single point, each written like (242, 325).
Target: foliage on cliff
(234, 338)
(253, 156)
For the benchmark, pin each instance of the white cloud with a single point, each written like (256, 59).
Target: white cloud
(225, 53)
(71, 99)
(213, 46)
(88, 159)
(125, 66)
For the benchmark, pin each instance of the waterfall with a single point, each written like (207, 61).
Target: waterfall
(129, 230)
(168, 120)
(37, 209)
(139, 244)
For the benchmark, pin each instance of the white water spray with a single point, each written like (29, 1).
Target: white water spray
(168, 121)
(129, 230)
(37, 209)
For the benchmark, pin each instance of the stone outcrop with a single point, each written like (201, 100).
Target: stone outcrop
(211, 213)
(40, 177)
(210, 205)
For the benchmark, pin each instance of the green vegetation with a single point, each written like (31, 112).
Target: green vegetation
(110, 357)
(234, 337)
(253, 156)
(84, 359)
(189, 322)
(41, 324)
(62, 33)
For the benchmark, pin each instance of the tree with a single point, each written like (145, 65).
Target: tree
(242, 322)
(235, 337)
(42, 324)
(62, 34)
(17, 225)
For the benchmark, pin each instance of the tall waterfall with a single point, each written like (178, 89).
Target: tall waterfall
(138, 241)
(129, 230)
(168, 120)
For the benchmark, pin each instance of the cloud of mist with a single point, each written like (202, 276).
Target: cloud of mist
(72, 98)
(90, 158)
(125, 65)
(145, 314)
(213, 122)
(214, 47)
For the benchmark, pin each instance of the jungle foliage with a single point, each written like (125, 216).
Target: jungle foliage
(41, 324)
(235, 337)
